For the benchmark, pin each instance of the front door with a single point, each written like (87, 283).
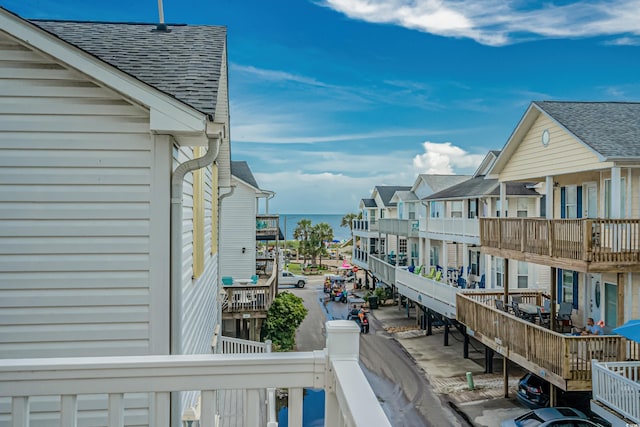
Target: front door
(596, 294)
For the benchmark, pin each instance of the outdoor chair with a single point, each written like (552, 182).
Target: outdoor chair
(418, 270)
(438, 276)
(500, 305)
(227, 280)
(462, 283)
(432, 273)
(254, 279)
(563, 317)
(543, 318)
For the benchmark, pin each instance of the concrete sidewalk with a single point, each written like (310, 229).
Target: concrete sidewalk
(446, 369)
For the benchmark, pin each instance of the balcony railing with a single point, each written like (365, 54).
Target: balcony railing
(365, 225)
(616, 386)
(349, 400)
(438, 296)
(563, 359)
(400, 227)
(267, 225)
(599, 241)
(361, 257)
(249, 298)
(468, 227)
(382, 270)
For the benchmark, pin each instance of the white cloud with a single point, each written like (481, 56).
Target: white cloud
(335, 182)
(445, 158)
(625, 41)
(496, 22)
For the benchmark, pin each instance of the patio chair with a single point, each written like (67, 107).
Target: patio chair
(543, 318)
(500, 304)
(481, 283)
(418, 270)
(563, 317)
(438, 276)
(227, 280)
(254, 279)
(462, 283)
(432, 273)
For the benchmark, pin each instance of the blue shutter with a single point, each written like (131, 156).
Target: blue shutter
(575, 289)
(559, 285)
(563, 202)
(579, 202)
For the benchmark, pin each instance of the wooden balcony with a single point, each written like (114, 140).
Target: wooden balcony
(242, 301)
(562, 359)
(586, 245)
(267, 226)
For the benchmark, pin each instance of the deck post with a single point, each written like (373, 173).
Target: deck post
(505, 375)
(343, 343)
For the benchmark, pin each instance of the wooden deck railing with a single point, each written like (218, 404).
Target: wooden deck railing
(250, 298)
(267, 224)
(562, 359)
(591, 240)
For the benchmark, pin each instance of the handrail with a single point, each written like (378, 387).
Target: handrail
(617, 386)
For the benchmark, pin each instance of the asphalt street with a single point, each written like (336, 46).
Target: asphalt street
(405, 394)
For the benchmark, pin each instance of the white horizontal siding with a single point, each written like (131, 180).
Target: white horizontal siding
(238, 230)
(76, 186)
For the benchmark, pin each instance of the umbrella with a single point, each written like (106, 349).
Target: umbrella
(630, 330)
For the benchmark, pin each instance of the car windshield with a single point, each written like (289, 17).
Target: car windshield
(530, 419)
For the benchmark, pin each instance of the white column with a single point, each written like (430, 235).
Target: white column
(503, 200)
(343, 343)
(549, 197)
(616, 192)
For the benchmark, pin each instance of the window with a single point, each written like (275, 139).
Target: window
(456, 209)
(567, 286)
(402, 246)
(473, 208)
(434, 259)
(498, 204)
(610, 305)
(498, 268)
(607, 198)
(401, 210)
(436, 209)
(412, 210)
(523, 274)
(383, 249)
(198, 218)
(474, 263)
(522, 207)
(571, 202)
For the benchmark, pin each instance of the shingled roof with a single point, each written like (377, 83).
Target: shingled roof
(386, 192)
(610, 128)
(185, 63)
(369, 203)
(241, 170)
(479, 186)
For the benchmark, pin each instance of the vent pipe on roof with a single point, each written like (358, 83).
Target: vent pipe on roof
(161, 26)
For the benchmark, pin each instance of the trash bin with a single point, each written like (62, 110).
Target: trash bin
(373, 302)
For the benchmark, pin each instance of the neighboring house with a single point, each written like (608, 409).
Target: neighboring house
(247, 302)
(585, 157)
(109, 226)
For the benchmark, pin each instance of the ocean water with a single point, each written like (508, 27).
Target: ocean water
(290, 221)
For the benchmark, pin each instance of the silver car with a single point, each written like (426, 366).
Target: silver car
(547, 417)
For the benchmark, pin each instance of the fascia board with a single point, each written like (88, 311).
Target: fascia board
(167, 112)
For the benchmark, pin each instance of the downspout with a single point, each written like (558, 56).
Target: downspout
(176, 236)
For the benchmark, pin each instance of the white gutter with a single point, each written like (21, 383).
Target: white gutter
(176, 236)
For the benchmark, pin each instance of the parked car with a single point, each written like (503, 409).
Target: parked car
(546, 417)
(533, 391)
(288, 278)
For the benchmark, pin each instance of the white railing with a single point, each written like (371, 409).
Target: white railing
(238, 346)
(349, 400)
(438, 296)
(382, 270)
(399, 227)
(468, 227)
(616, 385)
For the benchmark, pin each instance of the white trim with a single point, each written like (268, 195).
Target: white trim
(164, 109)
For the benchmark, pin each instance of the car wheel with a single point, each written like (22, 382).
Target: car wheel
(300, 284)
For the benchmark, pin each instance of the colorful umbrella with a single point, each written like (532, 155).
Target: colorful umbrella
(630, 330)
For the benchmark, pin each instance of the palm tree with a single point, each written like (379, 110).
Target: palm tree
(347, 220)
(302, 233)
(323, 233)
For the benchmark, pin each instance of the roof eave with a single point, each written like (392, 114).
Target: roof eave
(168, 115)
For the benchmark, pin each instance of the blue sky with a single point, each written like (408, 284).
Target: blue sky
(332, 97)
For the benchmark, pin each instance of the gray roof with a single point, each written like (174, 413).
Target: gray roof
(386, 192)
(479, 186)
(440, 182)
(369, 203)
(185, 63)
(241, 170)
(610, 128)
(406, 195)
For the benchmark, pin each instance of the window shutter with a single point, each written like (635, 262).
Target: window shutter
(563, 202)
(575, 289)
(559, 285)
(579, 202)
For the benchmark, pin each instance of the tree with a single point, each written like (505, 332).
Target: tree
(301, 233)
(320, 233)
(283, 318)
(347, 220)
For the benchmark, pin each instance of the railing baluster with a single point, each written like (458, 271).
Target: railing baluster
(295, 407)
(116, 410)
(208, 408)
(20, 412)
(160, 409)
(69, 411)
